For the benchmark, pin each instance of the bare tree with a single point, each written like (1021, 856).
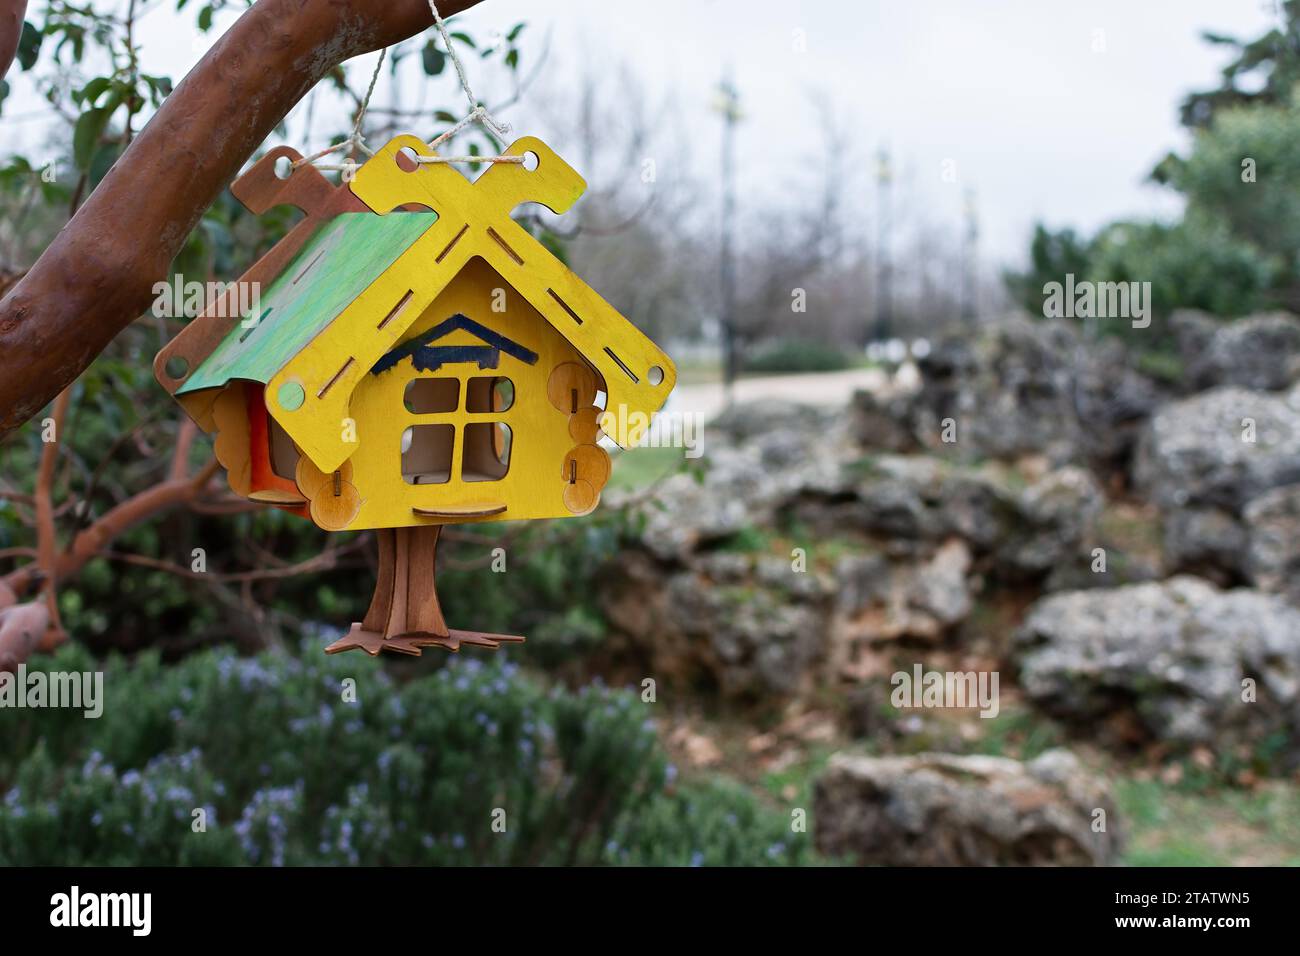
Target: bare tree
(634, 232)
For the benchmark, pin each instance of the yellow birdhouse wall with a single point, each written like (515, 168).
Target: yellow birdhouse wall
(453, 417)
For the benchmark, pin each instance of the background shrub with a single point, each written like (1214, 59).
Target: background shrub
(799, 355)
(289, 772)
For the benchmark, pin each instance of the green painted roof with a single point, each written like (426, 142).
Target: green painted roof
(333, 268)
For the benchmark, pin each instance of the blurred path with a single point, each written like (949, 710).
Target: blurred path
(812, 388)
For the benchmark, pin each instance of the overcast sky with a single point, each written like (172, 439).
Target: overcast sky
(1048, 109)
(1039, 124)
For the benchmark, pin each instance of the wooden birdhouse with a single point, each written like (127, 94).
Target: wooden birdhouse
(416, 359)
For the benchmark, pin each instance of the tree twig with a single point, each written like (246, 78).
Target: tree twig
(47, 544)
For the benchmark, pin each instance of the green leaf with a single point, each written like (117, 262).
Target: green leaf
(512, 59)
(29, 45)
(466, 39)
(85, 137)
(435, 61)
(159, 86)
(442, 116)
(54, 193)
(517, 29)
(94, 89)
(205, 19)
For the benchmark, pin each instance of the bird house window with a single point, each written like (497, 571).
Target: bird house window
(432, 396)
(427, 449)
(489, 394)
(426, 454)
(487, 451)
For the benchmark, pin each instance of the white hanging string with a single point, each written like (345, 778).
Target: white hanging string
(477, 114)
(354, 138)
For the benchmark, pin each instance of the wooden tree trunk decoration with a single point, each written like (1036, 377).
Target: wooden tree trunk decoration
(404, 614)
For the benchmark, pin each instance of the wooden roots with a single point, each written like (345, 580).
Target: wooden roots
(404, 614)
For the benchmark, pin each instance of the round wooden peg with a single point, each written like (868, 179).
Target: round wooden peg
(311, 480)
(571, 387)
(580, 497)
(334, 512)
(587, 463)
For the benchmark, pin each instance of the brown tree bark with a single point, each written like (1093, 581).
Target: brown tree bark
(24, 630)
(11, 29)
(98, 274)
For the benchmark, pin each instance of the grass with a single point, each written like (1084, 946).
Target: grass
(1018, 732)
(1188, 823)
(699, 373)
(1165, 367)
(641, 467)
(1169, 826)
(1134, 529)
(793, 784)
(748, 540)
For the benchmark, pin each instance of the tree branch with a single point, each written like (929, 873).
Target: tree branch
(22, 630)
(27, 628)
(185, 436)
(325, 561)
(11, 30)
(47, 543)
(97, 275)
(89, 542)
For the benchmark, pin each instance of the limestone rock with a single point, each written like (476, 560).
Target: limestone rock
(1170, 655)
(1273, 529)
(945, 810)
(1198, 451)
